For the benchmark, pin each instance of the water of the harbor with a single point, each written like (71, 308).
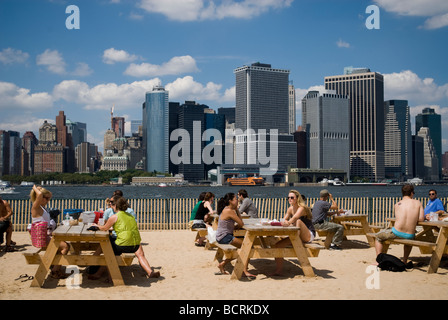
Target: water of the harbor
(155, 192)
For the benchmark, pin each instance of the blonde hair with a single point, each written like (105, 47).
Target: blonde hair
(45, 193)
(301, 203)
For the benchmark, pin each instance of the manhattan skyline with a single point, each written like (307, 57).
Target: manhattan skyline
(124, 48)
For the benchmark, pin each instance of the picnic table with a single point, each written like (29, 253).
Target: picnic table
(256, 231)
(430, 239)
(78, 236)
(354, 224)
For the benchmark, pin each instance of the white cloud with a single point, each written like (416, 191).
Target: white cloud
(132, 95)
(188, 89)
(23, 124)
(112, 56)
(55, 63)
(176, 66)
(342, 44)
(437, 22)
(53, 60)
(197, 10)
(407, 85)
(13, 97)
(104, 96)
(10, 56)
(82, 70)
(435, 10)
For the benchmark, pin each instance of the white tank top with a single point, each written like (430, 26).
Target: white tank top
(44, 217)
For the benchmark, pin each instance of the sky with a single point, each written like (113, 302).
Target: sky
(86, 56)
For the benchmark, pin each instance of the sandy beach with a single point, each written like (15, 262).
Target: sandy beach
(188, 273)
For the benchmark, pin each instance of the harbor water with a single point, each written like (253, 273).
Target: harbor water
(155, 192)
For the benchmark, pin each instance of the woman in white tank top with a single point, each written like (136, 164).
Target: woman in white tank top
(40, 198)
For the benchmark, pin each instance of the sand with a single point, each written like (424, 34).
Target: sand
(188, 273)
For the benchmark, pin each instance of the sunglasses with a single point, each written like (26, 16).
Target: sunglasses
(432, 194)
(291, 198)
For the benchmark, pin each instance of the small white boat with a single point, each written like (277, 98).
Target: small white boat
(5, 187)
(162, 185)
(6, 190)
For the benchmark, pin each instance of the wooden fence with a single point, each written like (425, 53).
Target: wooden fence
(174, 214)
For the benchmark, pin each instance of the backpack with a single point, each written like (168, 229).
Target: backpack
(390, 263)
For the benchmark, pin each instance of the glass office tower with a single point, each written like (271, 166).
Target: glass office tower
(156, 130)
(430, 119)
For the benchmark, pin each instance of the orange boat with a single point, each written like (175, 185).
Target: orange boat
(246, 181)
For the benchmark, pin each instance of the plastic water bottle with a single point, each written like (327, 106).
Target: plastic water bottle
(66, 219)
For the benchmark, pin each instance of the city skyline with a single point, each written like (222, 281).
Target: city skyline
(124, 48)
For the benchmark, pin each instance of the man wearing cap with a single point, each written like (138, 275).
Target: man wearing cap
(321, 211)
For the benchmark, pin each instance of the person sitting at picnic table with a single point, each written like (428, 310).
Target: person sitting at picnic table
(6, 225)
(228, 217)
(204, 216)
(128, 237)
(246, 204)
(434, 205)
(320, 212)
(110, 211)
(408, 212)
(40, 197)
(196, 207)
(298, 215)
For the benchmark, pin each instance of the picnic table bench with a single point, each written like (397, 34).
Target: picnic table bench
(354, 224)
(228, 251)
(256, 245)
(432, 239)
(80, 238)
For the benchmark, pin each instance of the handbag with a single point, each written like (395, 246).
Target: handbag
(39, 234)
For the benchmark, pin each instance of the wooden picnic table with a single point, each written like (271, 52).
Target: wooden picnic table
(431, 239)
(352, 228)
(354, 224)
(76, 236)
(255, 230)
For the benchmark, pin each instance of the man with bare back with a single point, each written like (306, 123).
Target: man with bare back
(5, 224)
(408, 212)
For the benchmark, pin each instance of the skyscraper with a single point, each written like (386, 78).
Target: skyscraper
(366, 92)
(430, 119)
(430, 159)
(262, 98)
(262, 103)
(326, 118)
(397, 140)
(292, 108)
(156, 129)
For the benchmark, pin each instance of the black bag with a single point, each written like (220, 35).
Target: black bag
(390, 263)
(199, 226)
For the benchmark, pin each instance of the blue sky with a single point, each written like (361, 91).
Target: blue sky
(123, 48)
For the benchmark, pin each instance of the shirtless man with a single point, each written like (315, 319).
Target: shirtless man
(407, 213)
(5, 224)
